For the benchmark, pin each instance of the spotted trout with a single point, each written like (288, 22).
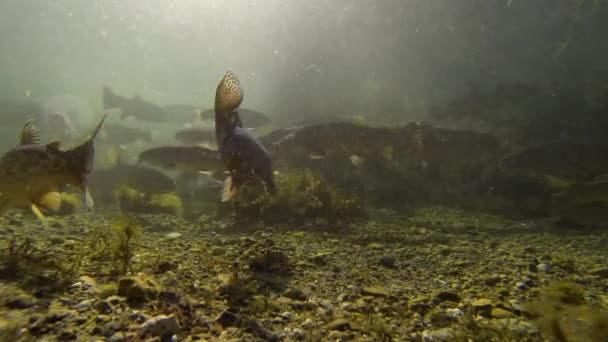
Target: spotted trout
(241, 153)
(31, 174)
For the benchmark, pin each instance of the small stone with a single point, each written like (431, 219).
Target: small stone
(454, 313)
(84, 305)
(387, 261)
(21, 301)
(340, 324)
(173, 235)
(87, 282)
(162, 326)
(121, 336)
(448, 296)
(375, 245)
(67, 334)
(545, 268)
(138, 289)
(56, 240)
(115, 300)
(481, 305)
(492, 280)
(79, 320)
(296, 294)
(375, 291)
(298, 334)
(103, 306)
(218, 250)
(307, 324)
(500, 313)
(443, 334)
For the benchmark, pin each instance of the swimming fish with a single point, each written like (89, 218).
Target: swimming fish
(31, 174)
(136, 107)
(183, 158)
(242, 154)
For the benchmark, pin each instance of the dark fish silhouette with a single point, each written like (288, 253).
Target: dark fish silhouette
(136, 107)
(184, 158)
(193, 136)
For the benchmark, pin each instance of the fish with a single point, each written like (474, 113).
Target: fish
(584, 193)
(182, 158)
(564, 160)
(135, 107)
(182, 112)
(120, 135)
(141, 178)
(242, 154)
(31, 175)
(193, 136)
(251, 118)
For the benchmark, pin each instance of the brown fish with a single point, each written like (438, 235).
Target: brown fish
(184, 158)
(31, 175)
(193, 136)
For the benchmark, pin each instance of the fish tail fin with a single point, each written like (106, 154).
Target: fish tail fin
(81, 158)
(230, 190)
(110, 100)
(228, 94)
(38, 212)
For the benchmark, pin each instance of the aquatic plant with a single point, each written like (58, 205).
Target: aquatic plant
(301, 195)
(168, 203)
(24, 261)
(126, 232)
(134, 201)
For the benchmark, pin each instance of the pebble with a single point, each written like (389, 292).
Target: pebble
(138, 289)
(341, 324)
(448, 296)
(500, 313)
(481, 304)
(161, 326)
(387, 261)
(104, 307)
(21, 301)
(173, 235)
(307, 324)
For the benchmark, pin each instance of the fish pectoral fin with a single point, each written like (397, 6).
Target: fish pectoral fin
(229, 190)
(51, 200)
(38, 212)
(87, 199)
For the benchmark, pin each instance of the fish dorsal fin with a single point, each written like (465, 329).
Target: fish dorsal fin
(228, 94)
(98, 128)
(54, 145)
(30, 135)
